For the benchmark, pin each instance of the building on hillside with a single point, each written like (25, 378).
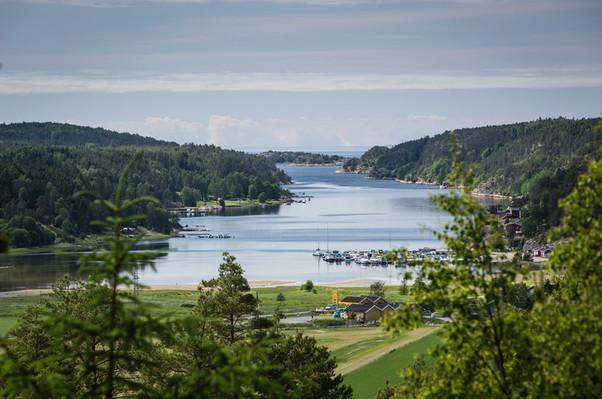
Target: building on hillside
(544, 251)
(512, 212)
(513, 226)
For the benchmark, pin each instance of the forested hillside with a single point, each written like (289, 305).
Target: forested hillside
(38, 182)
(71, 135)
(507, 159)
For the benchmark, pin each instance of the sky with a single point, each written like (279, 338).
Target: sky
(298, 74)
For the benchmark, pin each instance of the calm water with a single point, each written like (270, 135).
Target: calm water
(347, 211)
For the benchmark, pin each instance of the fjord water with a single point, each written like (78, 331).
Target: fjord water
(346, 211)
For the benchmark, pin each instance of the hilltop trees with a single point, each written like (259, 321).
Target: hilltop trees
(39, 180)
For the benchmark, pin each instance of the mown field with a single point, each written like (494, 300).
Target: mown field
(368, 380)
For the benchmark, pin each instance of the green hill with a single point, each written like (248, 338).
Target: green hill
(507, 159)
(44, 165)
(50, 133)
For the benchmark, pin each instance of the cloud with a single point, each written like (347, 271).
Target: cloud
(22, 83)
(277, 133)
(165, 128)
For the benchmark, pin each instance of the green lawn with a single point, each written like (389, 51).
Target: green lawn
(296, 300)
(12, 308)
(350, 343)
(6, 323)
(368, 380)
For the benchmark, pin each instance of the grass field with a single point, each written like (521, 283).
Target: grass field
(296, 300)
(6, 323)
(11, 308)
(169, 302)
(368, 380)
(350, 343)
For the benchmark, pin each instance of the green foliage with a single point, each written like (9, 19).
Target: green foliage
(312, 367)
(190, 196)
(298, 157)
(24, 231)
(541, 210)
(377, 288)
(308, 286)
(95, 338)
(39, 178)
(328, 322)
(280, 297)
(90, 340)
(507, 159)
(72, 135)
(225, 301)
(3, 244)
(506, 339)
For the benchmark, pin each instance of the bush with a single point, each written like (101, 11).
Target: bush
(308, 286)
(329, 322)
(261, 323)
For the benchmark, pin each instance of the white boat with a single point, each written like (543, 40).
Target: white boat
(318, 252)
(329, 258)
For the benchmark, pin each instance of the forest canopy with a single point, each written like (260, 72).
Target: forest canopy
(507, 159)
(38, 180)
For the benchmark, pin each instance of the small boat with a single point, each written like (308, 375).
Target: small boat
(330, 258)
(318, 252)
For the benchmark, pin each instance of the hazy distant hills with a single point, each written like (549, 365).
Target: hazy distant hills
(50, 133)
(507, 159)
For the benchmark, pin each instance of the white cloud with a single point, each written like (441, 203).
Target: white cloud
(164, 128)
(21, 83)
(276, 133)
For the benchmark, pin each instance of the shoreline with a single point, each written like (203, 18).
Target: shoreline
(479, 194)
(254, 284)
(77, 248)
(312, 165)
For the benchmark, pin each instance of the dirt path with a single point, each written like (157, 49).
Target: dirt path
(410, 337)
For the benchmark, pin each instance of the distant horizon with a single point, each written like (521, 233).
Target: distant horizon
(327, 150)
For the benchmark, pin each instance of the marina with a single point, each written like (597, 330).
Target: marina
(199, 231)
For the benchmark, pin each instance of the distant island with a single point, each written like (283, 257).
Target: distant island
(303, 158)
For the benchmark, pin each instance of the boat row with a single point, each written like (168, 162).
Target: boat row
(372, 257)
(199, 231)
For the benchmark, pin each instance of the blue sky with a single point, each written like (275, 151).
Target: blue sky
(298, 73)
